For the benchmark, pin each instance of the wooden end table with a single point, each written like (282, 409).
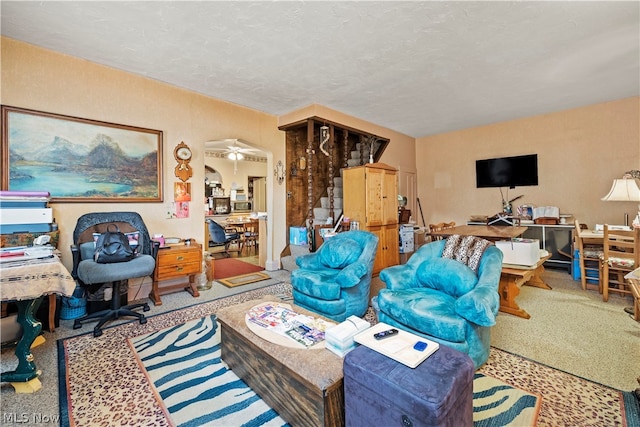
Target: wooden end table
(512, 279)
(174, 262)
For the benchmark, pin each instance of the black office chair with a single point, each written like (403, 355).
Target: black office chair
(92, 275)
(219, 236)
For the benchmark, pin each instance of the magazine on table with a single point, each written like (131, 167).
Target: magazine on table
(279, 318)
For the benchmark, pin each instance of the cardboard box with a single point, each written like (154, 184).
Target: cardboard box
(520, 251)
(406, 238)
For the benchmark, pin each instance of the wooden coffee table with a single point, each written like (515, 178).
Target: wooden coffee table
(303, 385)
(512, 279)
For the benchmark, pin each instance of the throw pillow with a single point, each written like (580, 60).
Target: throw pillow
(447, 275)
(338, 253)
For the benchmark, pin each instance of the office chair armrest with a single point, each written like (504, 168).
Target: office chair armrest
(75, 256)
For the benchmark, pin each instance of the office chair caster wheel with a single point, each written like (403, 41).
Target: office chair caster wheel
(146, 307)
(97, 333)
(143, 320)
(77, 324)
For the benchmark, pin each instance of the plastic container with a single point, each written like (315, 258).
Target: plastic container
(75, 306)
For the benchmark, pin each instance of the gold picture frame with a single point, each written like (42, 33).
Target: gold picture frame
(80, 160)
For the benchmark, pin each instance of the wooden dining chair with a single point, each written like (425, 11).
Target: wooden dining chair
(621, 255)
(634, 286)
(590, 254)
(439, 227)
(251, 235)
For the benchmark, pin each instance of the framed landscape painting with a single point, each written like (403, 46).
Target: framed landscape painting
(80, 160)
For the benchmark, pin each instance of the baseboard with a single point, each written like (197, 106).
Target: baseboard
(272, 265)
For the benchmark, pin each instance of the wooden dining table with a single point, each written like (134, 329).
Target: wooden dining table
(489, 232)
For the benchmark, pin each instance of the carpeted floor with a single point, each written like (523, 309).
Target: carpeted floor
(555, 318)
(230, 267)
(123, 385)
(575, 331)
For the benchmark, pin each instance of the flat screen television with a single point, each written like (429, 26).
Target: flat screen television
(517, 171)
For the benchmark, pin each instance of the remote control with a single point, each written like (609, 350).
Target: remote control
(385, 334)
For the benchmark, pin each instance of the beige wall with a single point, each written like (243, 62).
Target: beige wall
(43, 80)
(580, 152)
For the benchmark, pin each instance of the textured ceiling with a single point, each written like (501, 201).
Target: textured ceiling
(419, 68)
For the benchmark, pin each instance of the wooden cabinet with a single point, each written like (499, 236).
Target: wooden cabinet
(371, 198)
(388, 247)
(176, 262)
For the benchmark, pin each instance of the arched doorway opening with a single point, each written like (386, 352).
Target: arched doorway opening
(239, 171)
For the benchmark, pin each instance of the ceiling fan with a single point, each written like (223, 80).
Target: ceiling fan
(234, 149)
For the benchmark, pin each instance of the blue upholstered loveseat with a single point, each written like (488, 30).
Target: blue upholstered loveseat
(334, 281)
(443, 299)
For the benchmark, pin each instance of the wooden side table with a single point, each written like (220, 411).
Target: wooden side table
(512, 279)
(173, 262)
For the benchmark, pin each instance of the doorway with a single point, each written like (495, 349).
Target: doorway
(238, 172)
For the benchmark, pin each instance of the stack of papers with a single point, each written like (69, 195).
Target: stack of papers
(280, 319)
(22, 253)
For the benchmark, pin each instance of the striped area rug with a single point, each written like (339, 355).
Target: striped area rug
(183, 363)
(496, 403)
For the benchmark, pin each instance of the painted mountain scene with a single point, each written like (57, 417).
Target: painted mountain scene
(77, 159)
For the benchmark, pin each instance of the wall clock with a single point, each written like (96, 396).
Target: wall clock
(182, 154)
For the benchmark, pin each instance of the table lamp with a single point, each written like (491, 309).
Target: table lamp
(625, 190)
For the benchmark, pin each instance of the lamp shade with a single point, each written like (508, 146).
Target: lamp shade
(623, 190)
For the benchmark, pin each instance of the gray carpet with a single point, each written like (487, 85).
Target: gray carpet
(570, 329)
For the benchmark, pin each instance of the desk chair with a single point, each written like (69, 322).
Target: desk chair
(621, 255)
(221, 237)
(92, 275)
(590, 251)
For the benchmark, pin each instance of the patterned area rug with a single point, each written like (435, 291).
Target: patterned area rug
(102, 382)
(183, 363)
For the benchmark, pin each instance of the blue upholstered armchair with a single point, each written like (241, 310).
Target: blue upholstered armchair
(335, 280)
(443, 299)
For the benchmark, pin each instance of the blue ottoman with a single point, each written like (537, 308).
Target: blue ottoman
(378, 391)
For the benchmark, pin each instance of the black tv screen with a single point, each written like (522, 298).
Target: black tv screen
(517, 171)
